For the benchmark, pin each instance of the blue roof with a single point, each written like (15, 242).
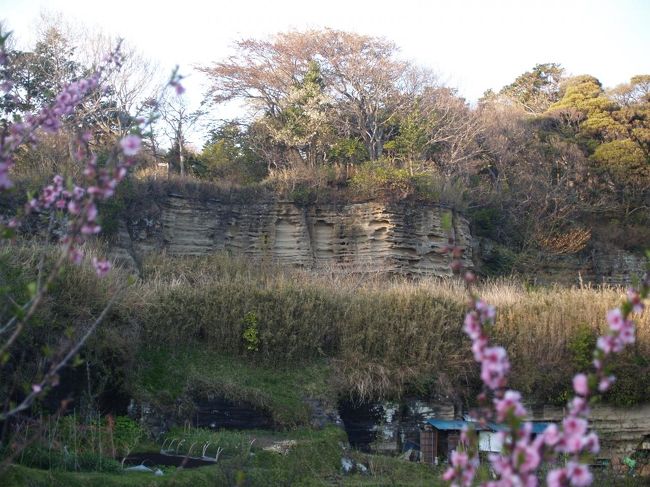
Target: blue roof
(457, 424)
(497, 427)
(538, 427)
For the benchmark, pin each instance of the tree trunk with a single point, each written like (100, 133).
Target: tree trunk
(181, 160)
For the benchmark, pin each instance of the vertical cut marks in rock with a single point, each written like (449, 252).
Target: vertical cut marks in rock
(291, 242)
(323, 242)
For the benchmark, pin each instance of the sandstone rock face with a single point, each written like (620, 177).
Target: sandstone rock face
(397, 238)
(622, 431)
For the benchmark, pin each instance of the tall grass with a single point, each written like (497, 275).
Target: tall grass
(382, 336)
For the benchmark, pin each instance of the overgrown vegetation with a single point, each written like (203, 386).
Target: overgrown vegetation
(186, 326)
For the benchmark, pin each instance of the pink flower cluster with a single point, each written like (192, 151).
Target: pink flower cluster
(523, 453)
(50, 118)
(621, 333)
(494, 360)
(465, 468)
(78, 202)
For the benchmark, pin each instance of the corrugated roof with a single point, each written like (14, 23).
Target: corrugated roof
(457, 424)
(497, 427)
(538, 427)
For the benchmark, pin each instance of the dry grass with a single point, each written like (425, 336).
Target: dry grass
(383, 336)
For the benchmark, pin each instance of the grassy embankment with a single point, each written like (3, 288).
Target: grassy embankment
(274, 335)
(195, 327)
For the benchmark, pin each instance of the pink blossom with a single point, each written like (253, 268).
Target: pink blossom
(551, 435)
(472, 325)
(89, 170)
(574, 426)
(449, 474)
(95, 191)
(531, 481)
(532, 459)
(510, 404)
(5, 181)
(131, 145)
(76, 256)
(579, 474)
(459, 459)
(591, 443)
(478, 347)
(91, 212)
(522, 454)
(605, 383)
(627, 333)
(90, 229)
(635, 300)
(495, 367)
(102, 267)
(571, 444)
(615, 319)
(557, 477)
(581, 384)
(73, 207)
(578, 406)
(606, 344)
(36, 388)
(488, 312)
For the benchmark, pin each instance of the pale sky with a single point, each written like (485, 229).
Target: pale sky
(473, 45)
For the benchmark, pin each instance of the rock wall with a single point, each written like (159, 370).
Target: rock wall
(622, 431)
(598, 264)
(398, 238)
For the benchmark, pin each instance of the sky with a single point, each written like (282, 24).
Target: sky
(472, 45)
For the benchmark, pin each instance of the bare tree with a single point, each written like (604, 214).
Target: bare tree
(451, 130)
(178, 119)
(362, 76)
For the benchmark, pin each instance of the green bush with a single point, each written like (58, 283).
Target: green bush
(126, 434)
(251, 334)
(380, 179)
(303, 195)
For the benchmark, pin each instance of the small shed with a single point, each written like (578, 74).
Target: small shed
(489, 440)
(439, 437)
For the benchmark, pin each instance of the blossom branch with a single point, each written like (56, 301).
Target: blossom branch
(521, 455)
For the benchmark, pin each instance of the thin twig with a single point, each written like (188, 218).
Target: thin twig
(47, 379)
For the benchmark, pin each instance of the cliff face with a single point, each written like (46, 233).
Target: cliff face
(622, 431)
(399, 238)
